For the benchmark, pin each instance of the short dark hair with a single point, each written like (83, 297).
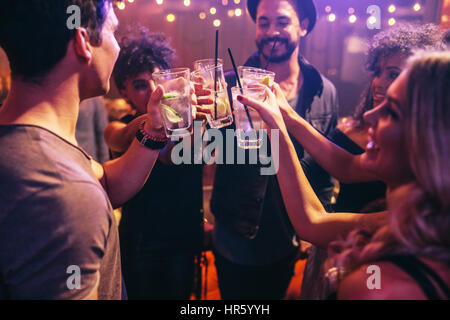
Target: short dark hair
(35, 36)
(142, 53)
(446, 37)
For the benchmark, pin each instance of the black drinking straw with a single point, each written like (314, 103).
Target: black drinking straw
(271, 53)
(240, 86)
(215, 73)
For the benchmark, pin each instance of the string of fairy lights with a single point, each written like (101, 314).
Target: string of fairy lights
(202, 15)
(373, 16)
(331, 15)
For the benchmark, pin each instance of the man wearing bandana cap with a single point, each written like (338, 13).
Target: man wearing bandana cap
(255, 245)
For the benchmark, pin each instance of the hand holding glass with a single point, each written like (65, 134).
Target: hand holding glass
(248, 130)
(213, 78)
(176, 106)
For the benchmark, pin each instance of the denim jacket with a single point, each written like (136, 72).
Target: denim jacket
(240, 190)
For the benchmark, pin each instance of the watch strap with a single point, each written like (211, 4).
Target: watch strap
(149, 141)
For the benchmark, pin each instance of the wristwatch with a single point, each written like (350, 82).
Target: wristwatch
(149, 141)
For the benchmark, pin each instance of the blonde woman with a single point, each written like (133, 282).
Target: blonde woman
(409, 150)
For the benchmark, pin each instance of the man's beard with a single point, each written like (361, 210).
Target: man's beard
(290, 48)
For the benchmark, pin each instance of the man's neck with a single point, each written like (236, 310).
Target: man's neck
(287, 74)
(53, 106)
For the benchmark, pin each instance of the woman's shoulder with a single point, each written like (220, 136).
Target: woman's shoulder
(381, 280)
(350, 128)
(386, 280)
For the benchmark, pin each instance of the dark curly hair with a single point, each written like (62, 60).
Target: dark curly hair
(404, 38)
(446, 38)
(142, 53)
(35, 36)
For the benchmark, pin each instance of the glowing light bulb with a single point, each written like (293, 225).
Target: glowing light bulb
(391, 21)
(121, 5)
(417, 6)
(212, 10)
(372, 20)
(231, 13)
(159, 2)
(170, 17)
(224, 2)
(238, 12)
(351, 10)
(237, 1)
(331, 17)
(352, 18)
(202, 15)
(328, 9)
(130, 1)
(187, 3)
(392, 8)
(216, 23)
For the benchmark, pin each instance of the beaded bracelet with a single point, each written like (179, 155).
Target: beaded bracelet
(149, 141)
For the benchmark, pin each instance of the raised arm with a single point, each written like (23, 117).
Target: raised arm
(123, 177)
(341, 164)
(119, 135)
(308, 217)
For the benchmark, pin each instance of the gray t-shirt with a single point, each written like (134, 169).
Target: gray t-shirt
(56, 220)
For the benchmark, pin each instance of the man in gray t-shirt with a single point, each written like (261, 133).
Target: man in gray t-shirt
(58, 235)
(55, 217)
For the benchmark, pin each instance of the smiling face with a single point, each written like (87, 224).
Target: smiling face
(387, 153)
(278, 20)
(137, 91)
(388, 69)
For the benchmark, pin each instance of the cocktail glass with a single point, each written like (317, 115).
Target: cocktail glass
(240, 70)
(257, 76)
(176, 106)
(249, 126)
(212, 78)
(207, 63)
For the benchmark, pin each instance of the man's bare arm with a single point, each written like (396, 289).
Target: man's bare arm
(119, 135)
(123, 177)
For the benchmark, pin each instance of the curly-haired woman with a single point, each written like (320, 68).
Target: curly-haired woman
(387, 55)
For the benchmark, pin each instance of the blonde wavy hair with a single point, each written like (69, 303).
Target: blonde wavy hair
(419, 213)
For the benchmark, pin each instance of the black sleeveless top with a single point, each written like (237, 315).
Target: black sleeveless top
(359, 197)
(420, 273)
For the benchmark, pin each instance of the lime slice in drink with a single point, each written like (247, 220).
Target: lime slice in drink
(221, 107)
(170, 95)
(266, 81)
(171, 114)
